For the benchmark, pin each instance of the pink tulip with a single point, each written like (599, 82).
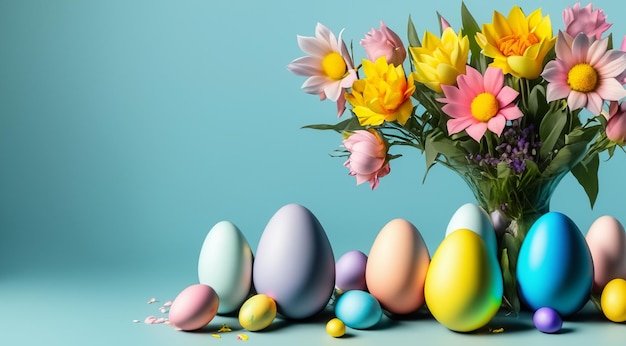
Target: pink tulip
(368, 157)
(616, 125)
(384, 42)
(591, 22)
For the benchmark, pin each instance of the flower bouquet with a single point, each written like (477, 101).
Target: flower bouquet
(508, 105)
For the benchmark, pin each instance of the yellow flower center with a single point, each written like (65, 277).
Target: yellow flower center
(484, 107)
(516, 44)
(583, 78)
(334, 66)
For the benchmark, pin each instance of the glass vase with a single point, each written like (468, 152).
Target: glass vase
(514, 204)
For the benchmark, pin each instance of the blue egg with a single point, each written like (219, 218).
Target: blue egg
(358, 309)
(554, 266)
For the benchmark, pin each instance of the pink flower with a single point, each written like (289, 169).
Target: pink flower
(329, 66)
(584, 72)
(591, 23)
(616, 126)
(479, 103)
(384, 42)
(368, 157)
(622, 78)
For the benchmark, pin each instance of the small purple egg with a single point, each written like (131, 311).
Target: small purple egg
(547, 320)
(350, 271)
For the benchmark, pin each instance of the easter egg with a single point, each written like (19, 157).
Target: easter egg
(606, 239)
(463, 286)
(554, 265)
(396, 267)
(225, 264)
(294, 263)
(547, 320)
(358, 309)
(613, 300)
(472, 217)
(350, 271)
(194, 307)
(335, 328)
(257, 312)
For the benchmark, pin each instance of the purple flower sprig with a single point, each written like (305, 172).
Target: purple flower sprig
(517, 145)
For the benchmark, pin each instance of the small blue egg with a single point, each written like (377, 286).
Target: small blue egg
(554, 266)
(358, 309)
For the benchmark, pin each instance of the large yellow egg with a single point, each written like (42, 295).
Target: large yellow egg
(463, 288)
(257, 312)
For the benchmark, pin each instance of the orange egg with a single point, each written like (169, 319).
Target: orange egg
(396, 267)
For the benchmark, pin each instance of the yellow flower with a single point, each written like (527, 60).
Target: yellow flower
(518, 44)
(440, 61)
(383, 95)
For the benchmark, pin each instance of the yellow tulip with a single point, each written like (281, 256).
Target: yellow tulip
(440, 61)
(518, 44)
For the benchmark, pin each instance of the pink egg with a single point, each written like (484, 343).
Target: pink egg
(194, 307)
(606, 239)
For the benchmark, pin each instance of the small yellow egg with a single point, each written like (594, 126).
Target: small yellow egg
(257, 312)
(613, 300)
(335, 328)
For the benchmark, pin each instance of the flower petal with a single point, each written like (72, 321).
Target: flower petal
(477, 130)
(576, 100)
(496, 124)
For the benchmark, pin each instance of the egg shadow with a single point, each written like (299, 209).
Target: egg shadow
(281, 321)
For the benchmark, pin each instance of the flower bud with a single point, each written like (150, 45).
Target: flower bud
(368, 157)
(384, 42)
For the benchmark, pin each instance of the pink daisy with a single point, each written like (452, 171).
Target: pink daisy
(329, 66)
(479, 103)
(584, 72)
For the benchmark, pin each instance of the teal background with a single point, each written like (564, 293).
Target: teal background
(129, 128)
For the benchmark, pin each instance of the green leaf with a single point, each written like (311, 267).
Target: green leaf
(550, 131)
(350, 124)
(537, 105)
(586, 172)
(509, 284)
(414, 40)
(470, 28)
(430, 154)
(565, 159)
(504, 171)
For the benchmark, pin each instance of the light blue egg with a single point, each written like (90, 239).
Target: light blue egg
(474, 218)
(554, 266)
(358, 309)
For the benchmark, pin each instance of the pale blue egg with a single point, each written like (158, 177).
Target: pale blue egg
(294, 263)
(474, 218)
(554, 266)
(358, 309)
(225, 264)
